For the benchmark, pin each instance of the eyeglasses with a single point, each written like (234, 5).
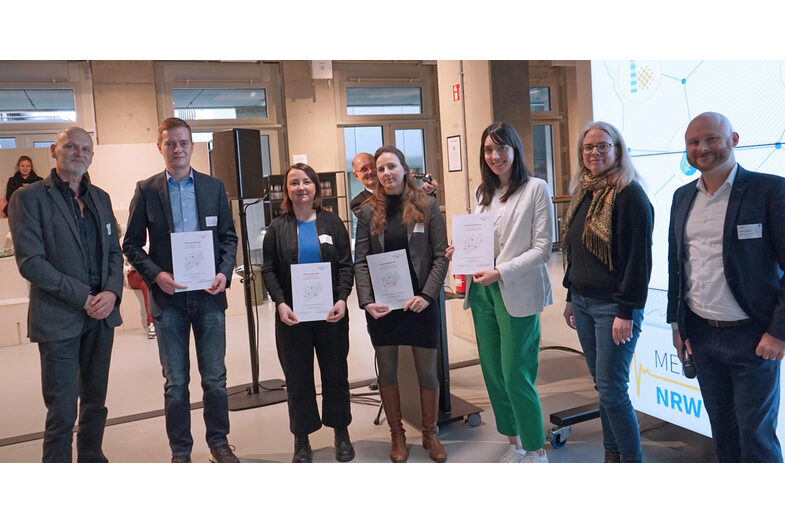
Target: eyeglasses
(601, 147)
(365, 169)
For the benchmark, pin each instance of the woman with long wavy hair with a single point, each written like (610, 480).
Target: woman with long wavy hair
(400, 217)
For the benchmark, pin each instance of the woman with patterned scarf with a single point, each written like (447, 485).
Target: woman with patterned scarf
(606, 240)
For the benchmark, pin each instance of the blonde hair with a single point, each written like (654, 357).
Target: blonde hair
(627, 172)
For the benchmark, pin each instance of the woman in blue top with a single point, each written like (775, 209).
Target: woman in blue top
(306, 233)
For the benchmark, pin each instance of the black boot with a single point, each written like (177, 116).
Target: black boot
(343, 446)
(302, 450)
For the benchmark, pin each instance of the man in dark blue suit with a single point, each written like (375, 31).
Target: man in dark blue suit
(726, 291)
(175, 201)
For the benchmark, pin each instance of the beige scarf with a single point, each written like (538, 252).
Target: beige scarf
(597, 231)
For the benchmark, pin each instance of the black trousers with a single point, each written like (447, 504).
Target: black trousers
(76, 368)
(296, 345)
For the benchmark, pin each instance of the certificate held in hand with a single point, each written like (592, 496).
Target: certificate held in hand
(193, 260)
(390, 278)
(312, 291)
(472, 237)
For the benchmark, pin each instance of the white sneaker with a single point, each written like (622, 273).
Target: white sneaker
(535, 457)
(512, 455)
(151, 331)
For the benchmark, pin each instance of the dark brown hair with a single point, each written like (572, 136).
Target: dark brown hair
(414, 203)
(287, 205)
(501, 133)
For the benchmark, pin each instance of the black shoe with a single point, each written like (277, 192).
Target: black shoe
(343, 447)
(223, 454)
(302, 450)
(182, 458)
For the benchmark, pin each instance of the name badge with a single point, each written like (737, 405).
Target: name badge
(326, 238)
(419, 227)
(750, 231)
(211, 221)
(108, 229)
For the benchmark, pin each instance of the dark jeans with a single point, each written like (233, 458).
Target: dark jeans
(609, 365)
(76, 368)
(197, 310)
(296, 346)
(741, 391)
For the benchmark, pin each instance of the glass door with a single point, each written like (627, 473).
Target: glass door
(358, 140)
(545, 161)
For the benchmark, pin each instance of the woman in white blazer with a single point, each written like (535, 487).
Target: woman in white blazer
(506, 301)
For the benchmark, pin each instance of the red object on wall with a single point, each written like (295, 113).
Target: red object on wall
(456, 92)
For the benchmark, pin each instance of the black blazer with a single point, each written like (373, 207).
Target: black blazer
(426, 252)
(16, 182)
(753, 267)
(151, 213)
(281, 250)
(50, 256)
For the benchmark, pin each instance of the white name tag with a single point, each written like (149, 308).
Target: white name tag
(108, 229)
(210, 221)
(419, 227)
(750, 231)
(326, 238)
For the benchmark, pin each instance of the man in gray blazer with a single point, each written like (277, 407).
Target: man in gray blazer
(178, 200)
(66, 242)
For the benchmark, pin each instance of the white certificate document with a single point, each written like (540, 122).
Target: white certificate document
(390, 278)
(472, 237)
(312, 291)
(193, 259)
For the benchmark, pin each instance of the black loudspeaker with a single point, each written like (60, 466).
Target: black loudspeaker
(236, 158)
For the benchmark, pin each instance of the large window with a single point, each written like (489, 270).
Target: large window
(39, 98)
(213, 96)
(383, 100)
(37, 105)
(387, 104)
(219, 104)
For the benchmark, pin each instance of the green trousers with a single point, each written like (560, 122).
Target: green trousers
(509, 350)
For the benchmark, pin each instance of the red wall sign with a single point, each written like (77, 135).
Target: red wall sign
(456, 92)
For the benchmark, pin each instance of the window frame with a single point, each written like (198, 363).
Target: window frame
(74, 75)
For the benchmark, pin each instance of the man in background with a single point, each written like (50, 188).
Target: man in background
(364, 171)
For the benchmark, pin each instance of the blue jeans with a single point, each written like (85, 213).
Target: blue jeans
(200, 311)
(741, 391)
(609, 365)
(76, 368)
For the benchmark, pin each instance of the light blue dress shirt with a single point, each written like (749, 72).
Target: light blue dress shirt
(182, 197)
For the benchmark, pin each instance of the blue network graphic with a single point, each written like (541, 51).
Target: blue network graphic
(621, 88)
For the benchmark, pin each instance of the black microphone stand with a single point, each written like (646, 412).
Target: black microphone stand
(255, 394)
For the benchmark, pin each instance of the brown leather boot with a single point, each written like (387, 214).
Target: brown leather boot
(391, 399)
(429, 404)
(610, 457)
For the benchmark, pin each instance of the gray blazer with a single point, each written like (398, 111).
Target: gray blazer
(50, 256)
(427, 243)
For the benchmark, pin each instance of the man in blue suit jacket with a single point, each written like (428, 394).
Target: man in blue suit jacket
(174, 201)
(726, 291)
